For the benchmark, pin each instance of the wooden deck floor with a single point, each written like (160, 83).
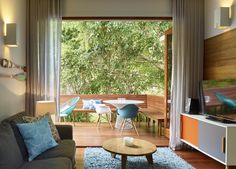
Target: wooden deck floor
(88, 135)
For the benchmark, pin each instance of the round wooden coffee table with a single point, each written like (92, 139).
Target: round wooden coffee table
(140, 148)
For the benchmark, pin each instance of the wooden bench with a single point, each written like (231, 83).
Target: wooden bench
(153, 106)
(155, 111)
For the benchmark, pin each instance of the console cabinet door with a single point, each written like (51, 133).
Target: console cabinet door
(212, 140)
(230, 146)
(189, 130)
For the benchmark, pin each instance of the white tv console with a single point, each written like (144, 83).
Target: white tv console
(215, 139)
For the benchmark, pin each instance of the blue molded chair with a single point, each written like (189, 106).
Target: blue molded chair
(67, 108)
(128, 112)
(227, 102)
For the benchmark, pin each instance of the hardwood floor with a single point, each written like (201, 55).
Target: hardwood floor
(199, 160)
(195, 158)
(79, 158)
(88, 135)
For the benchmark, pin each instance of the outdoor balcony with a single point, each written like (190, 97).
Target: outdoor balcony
(150, 120)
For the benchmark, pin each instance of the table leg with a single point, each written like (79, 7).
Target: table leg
(113, 155)
(149, 159)
(123, 161)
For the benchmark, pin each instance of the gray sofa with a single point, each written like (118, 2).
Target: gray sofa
(13, 152)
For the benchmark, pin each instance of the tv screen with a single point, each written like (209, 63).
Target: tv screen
(218, 98)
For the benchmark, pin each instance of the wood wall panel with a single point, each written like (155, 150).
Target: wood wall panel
(156, 103)
(220, 56)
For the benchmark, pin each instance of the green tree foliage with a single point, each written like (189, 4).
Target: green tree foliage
(112, 57)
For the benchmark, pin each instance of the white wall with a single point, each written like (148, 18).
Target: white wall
(210, 6)
(116, 8)
(12, 92)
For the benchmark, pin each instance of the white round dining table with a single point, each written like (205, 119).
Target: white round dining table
(120, 103)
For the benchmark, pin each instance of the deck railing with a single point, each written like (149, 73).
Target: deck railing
(152, 102)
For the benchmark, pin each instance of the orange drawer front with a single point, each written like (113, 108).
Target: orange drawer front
(189, 130)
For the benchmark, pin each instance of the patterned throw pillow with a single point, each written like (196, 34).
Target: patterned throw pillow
(55, 134)
(89, 104)
(37, 137)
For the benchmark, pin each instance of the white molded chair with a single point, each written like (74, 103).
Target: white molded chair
(102, 109)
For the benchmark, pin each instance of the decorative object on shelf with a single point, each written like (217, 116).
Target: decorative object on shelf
(18, 76)
(192, 106)
(128, 141)
(6, 63)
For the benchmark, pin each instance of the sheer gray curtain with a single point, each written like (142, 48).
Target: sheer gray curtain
(187, 68)
(43, 51)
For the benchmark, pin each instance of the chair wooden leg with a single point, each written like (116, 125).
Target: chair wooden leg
(149, 122)
(98, 120)
(112, 117)
(108, 119)
(135, 127)
(138, 119)
(123, 125)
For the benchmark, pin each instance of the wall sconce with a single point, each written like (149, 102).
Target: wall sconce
(222, 17)
(10, 37)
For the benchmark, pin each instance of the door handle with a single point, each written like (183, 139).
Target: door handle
(223, 144)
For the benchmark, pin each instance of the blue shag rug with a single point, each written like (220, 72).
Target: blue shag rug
(163, 158)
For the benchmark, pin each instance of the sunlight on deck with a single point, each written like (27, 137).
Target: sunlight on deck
(88, 135)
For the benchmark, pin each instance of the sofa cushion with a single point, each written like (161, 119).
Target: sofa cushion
(52, 163)
(20, 141)
(13, 120)
(65, 148)
(10, 155)
(37, 137)
(65, 131)
(17, 118)
(30, 119)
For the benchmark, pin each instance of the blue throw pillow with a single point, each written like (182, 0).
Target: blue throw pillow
(37, 137)
(94, 102)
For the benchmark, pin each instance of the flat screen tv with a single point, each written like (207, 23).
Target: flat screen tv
(218, 99)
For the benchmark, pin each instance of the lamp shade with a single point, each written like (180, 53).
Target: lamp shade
(44, 106)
